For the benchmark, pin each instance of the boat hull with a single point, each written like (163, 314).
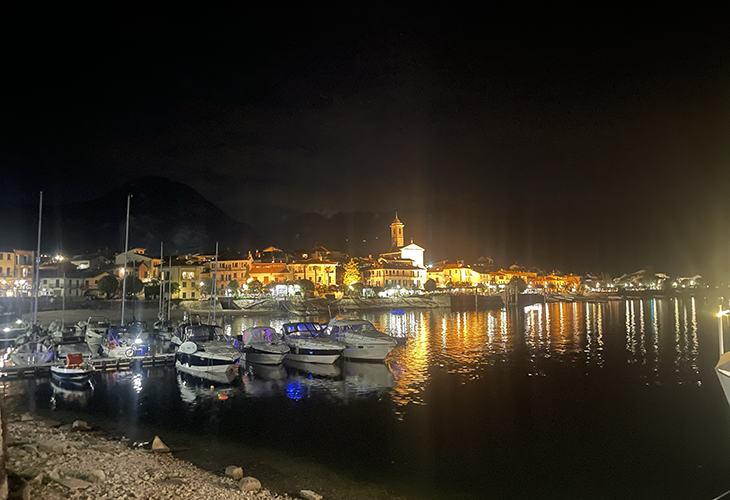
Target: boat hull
(723, 374)
(323, 358)
(76, 375)
(371, 352)
(190, 363)
(263, 358)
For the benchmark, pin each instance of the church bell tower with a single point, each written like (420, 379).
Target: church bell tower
(396, 233)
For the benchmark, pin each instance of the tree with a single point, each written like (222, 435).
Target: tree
(357, 289)
(233, 287)
(516, 285)
(255, 286)
(305, 285)
(206, 287)
(134, 284)
(151, 290)
(352, 272)
(429, 285)
(174, 288)
(108, 285)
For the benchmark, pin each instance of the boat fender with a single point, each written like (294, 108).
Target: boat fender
(188, 347)
(111, 345)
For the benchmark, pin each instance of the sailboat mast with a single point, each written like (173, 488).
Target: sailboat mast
(126, 249)
(36, 271)
(161, 287)
(215, 283)
(169, 299)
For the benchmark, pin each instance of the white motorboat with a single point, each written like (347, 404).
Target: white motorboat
(95, 331)
(362, 340)
(307, 345)
(124, 343)
(75, 370)
(205, 350)
(11, 327)
(31, 349)
(262, 345)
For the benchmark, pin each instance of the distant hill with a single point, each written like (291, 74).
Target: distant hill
(161, 210)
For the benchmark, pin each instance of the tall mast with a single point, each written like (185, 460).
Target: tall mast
(215, 283)
(161, 286)
(63, 297)
(169, 299)
(36, 271)
(126, 249)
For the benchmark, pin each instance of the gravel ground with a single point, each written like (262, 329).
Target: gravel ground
(47, 460)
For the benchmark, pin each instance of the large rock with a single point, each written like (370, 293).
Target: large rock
(99, 476)
(234, 472)
(309, 495)
(249, 484)
(73, 483)
(158, 446)
(80, 425)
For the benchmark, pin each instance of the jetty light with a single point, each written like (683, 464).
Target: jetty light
(723, 313)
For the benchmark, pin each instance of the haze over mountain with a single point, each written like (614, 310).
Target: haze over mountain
(161, 210)
(178, 215)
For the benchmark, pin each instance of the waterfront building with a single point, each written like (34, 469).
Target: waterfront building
(394, 273)
(57, 281)
(90, 261)
(460, 273)
(186, 272)
(275, 272)
(316, 270)
(135, 257)
(16, 272)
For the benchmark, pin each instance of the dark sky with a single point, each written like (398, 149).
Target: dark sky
(581, 145)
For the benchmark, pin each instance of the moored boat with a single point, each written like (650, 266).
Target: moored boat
(262, 345)
(203, 349)
(362, 340)
(307, 345)
(95, 331)
(75, 369)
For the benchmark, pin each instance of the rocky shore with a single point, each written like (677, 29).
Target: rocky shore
(49, 460)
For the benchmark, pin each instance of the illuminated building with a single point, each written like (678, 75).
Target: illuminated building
(186, 272)
(395, 273)
(396, 233)
(401, 266)
(316, 270)
(275, 272)
(16, 273)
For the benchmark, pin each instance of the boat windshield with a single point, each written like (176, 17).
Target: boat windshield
(359, 327)
(203, 333)
(303, 329)
(264, 334)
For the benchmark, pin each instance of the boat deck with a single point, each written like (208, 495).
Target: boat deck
(100, 364)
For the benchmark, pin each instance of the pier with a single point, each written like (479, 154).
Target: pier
(99, 364)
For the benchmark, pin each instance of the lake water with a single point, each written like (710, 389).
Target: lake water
(608, 400)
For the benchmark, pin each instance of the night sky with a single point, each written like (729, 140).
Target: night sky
(580, 146)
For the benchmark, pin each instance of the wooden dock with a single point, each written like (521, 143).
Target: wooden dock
(100, 365)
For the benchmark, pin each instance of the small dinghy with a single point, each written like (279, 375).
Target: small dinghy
(76, 370)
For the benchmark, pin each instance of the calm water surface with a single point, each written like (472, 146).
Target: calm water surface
(610, 400)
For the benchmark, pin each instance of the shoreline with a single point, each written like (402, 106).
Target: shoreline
(52, 460)
(199, 461)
